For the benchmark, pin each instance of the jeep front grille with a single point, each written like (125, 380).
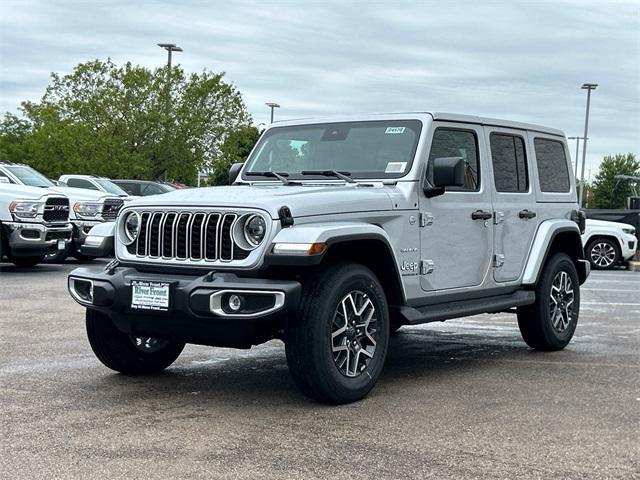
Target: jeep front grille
(188, 236)
(111, 208)
(56, 209)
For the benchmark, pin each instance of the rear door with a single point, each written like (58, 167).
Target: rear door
(514, 203)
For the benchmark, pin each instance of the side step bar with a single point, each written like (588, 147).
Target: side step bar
(437, 313)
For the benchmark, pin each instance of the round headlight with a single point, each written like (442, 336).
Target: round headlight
(254, 230)
(131, 227)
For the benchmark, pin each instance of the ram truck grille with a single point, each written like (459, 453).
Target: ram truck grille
(200, 236)
(111, 208)
(56, 209)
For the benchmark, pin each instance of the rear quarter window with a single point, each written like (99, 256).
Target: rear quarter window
(553, 172)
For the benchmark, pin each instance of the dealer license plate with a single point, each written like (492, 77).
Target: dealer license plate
(149, 295)
(62, 244)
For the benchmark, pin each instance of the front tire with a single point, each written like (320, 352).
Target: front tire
(550, 322)
(603, 254)
(337, 346)
(125, 353)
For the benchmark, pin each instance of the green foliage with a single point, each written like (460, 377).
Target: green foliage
(605, 192)
(126, 122)
(236, 148)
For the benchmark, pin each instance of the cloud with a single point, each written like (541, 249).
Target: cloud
(517, 60)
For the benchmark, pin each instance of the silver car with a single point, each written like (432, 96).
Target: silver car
(337, 232)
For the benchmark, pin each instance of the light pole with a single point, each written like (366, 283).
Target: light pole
(272, 106)
(577, 139)
(588, 87)
(170, 47)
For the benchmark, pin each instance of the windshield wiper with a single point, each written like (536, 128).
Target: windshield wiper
(282, 176)
(330, 173)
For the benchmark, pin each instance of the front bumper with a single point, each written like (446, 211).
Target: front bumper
(31, 239)
(81, 229)
(194, 314)
(628, 246)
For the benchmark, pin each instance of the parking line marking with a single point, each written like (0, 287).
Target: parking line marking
(608, 290)
(611, 303)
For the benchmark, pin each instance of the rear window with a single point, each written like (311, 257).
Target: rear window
(509, 163)
(552, 165)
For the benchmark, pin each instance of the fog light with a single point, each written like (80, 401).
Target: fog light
(235, 302)
(81, 290)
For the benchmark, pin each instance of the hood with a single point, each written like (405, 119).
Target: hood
(606, 224)
(23, 191)
(81, 194)
(303, 200)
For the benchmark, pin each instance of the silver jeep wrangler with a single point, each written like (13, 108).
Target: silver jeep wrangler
(335, 233)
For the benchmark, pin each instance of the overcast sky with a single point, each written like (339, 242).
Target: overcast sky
(516, 60)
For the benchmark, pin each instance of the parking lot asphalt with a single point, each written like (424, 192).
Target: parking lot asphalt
(460, 399)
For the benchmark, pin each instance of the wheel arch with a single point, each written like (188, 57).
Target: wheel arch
(555, 236)
(363, 243)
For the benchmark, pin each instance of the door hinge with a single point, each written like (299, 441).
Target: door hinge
(426, 267)
(426, 219)
(498, 260)
(498, 217)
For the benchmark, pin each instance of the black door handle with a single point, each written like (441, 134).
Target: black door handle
(526, 214)
(481, 215)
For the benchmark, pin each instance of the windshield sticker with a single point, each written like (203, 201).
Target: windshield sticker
(395, 167)
(394, 130)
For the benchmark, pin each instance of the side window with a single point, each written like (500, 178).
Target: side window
(80, 183)
(509, 163)
(130, 188)
(448, 142)
(152, 189)
(552, 165)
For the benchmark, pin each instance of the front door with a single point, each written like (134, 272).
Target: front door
(514, 202)
(456, 238)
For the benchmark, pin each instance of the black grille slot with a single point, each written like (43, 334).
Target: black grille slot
(154, 235)
(111, 208)
(181, 235)
(167, 234)
(58, 236)
(56, 209)
(196, 236)
(142, 236)
(211, 236)
(226, 243)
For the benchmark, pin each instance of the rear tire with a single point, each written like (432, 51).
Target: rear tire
(118, 351)
(550, 322)
(337, 346)
(26, 262)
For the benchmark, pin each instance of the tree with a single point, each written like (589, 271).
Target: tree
(609, 192)
(235, 149)
(127, 121)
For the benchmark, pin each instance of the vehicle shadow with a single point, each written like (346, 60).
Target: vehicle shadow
(263, 379)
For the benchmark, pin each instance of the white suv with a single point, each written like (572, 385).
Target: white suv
(607, 244)
(93, 182)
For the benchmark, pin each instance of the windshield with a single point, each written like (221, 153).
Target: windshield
(31, 177)
(111, 187)
(375, 149)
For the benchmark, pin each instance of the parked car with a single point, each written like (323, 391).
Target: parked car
(88, 207)
(93, 182)
(144, 188)
(336, 232)
(33, 223)
(607, 244)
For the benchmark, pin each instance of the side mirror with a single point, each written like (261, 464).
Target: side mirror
(234, 171)
(447, 172)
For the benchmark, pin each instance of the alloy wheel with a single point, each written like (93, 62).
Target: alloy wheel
(561, 301)
(603, 254)
(354, 333)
